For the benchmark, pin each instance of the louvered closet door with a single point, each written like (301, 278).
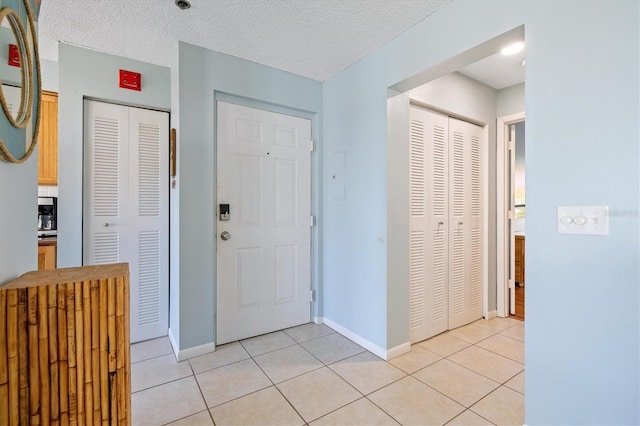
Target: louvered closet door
(106, 176)
(445, 264)
(149, 222)
(126, 205)
(429, 181)
(465, 230)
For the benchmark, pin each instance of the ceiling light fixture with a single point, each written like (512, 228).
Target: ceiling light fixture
(512, 49)
(183, 4)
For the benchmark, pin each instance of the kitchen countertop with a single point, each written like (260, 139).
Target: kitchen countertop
(49, 241)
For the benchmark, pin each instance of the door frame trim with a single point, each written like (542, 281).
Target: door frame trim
(315, 310)
(502, 255)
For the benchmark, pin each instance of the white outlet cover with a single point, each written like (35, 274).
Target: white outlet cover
(586, 220)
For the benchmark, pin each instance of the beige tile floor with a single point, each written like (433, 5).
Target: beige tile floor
(311, 375)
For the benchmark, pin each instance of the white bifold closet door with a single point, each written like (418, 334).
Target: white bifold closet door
(125, 205)
(445, 223)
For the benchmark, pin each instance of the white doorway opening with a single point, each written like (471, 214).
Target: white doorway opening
(506, 212)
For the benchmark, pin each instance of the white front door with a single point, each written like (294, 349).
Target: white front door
(125, 217)
(264, 239)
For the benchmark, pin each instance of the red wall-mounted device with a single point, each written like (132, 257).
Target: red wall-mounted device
(14, 56)
(130, 80)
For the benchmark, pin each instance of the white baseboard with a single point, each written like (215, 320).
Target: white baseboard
(398, 350)
(318, 320)
(183, 354)
(367, 344)
(174, 344)
(492, 314)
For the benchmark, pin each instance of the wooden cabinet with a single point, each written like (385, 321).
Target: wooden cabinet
(519, 278)
(46, 256)
(64, 347)
(48, 140)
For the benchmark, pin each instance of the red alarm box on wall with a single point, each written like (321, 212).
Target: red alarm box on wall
(14, 56)
(130, 80)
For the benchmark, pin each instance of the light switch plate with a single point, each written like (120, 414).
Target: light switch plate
(587, 220)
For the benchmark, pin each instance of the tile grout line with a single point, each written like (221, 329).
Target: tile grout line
(329, 365)
(324, 365)
(503, 384)
(486, 396)
(451, 398)
(295, 342)
(258, 365)
(206, 406)
(485, 349)
(274, 384)
(385, 386)
(154, 357)
(470, 410)
(484, 375)
(186, 417)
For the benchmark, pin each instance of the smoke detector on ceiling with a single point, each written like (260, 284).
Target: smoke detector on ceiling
(183, 4)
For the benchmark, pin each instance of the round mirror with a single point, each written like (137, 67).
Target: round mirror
(21, 88)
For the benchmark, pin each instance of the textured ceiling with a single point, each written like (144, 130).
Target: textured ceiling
(312, 38)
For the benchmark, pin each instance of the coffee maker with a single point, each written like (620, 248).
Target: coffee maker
(47, 217)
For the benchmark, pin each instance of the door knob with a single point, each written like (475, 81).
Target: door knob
(225, 235)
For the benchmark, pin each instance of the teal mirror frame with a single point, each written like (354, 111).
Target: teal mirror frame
(19, 131)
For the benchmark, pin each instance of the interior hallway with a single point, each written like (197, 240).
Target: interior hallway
(313, 375)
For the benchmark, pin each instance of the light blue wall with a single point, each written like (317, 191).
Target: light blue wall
(49, 75)
(87, 73)
(582, 92)
(582, 116)
(510, 100)
(355, 266)
(202, 75)
(18, 194)
(18, 218)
